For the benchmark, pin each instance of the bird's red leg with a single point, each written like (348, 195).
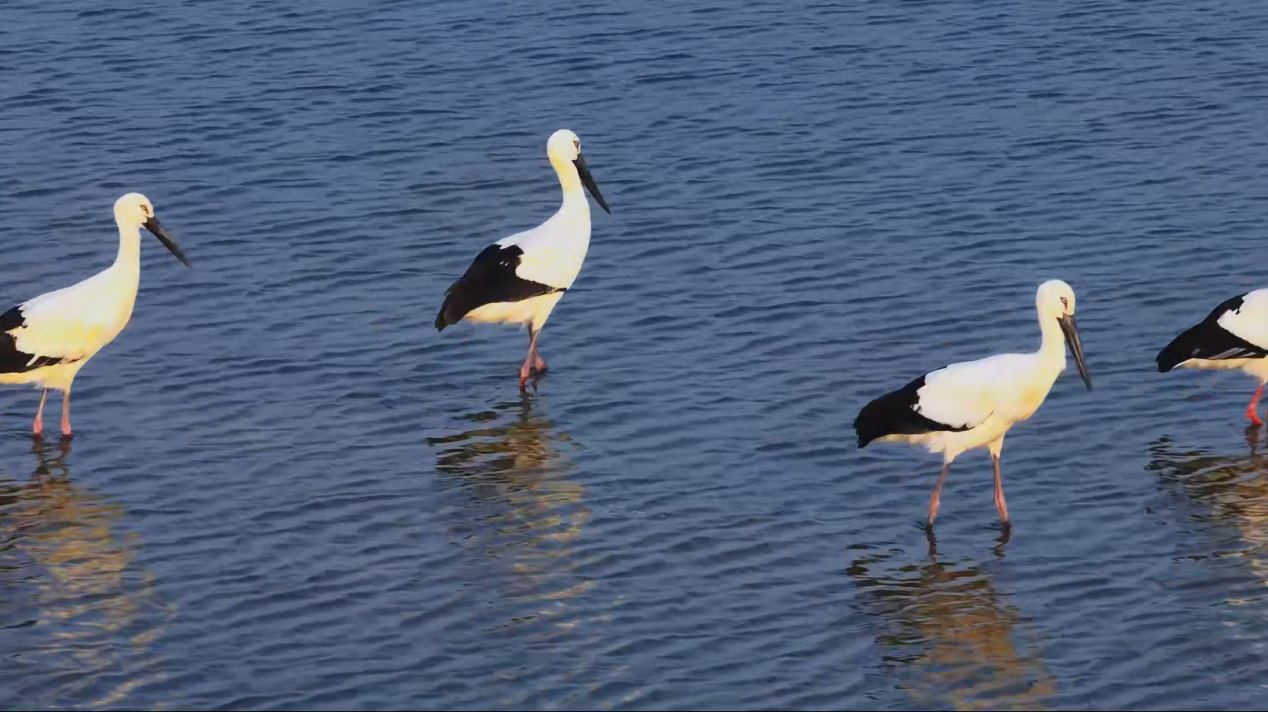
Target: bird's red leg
(1254, 406)
(539, 363)
(1000, 505)
(527, 369)
(66, 414)
(38, 427)
(936, 499)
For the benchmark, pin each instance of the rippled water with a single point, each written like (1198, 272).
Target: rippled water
(288, 491)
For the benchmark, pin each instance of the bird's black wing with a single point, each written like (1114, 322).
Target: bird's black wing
(1209, 341)
(491, 278)
(897, 413)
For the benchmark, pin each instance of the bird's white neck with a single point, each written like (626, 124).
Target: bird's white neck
(129, 257)
(1052, 349)
(575, 203)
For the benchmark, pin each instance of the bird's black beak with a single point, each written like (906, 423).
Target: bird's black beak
(1071, 330)
(156, 229)
(588, 181)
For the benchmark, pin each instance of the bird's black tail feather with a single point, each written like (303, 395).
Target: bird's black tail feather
(894, 414)
(1182, 348)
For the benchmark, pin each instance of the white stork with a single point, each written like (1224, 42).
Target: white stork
(45, 341)
(519, 279)
(1233, 336)
(973, 404)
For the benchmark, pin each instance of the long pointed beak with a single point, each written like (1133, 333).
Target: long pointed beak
(588, 181)
(156, 229)
(1071, 330)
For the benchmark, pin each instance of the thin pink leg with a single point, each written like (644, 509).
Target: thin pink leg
(1254, 406)
(38, 427)
(539, 363)
(936, 499)
(1000, 505)
(531, 359)
(66, 415)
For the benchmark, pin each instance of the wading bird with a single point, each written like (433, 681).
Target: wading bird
(45, 341)
(1234, 336)
(973, 404)
(519, 279)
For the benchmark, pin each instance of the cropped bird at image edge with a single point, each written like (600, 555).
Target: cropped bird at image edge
(46, 340)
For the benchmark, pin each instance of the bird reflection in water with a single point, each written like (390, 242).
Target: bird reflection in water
(78, 612)
(1230, 489)
(951, 636)
(517, 502)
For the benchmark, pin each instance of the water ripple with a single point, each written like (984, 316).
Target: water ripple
(288, 491)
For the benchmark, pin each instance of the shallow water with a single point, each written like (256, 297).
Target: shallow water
(288, 491)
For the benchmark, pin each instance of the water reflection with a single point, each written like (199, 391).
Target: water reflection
(517, 503)
(1001, 541)
(951, 637)
(77, 614)
(1230, 488)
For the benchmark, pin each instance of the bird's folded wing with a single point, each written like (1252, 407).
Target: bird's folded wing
(549, 264)
(46, 332)
(959, 396)
(548, 257)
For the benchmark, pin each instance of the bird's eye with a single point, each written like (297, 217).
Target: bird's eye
(576, 145)
(1064, 303)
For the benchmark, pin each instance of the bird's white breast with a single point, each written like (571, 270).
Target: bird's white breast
(553, 251)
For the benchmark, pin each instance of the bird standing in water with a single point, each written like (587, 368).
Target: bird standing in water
(973, 404)
(46, 340)
(1232, 337)
(519, 279)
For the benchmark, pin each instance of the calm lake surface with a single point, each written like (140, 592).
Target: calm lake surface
(287, 491)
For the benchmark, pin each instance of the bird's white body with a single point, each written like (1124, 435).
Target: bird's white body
(1256, 367)
(76, 322)
(989, 396)
(533, 311)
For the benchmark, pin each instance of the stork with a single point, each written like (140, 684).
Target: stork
(519, 279)
(973, 404)
(46, 340)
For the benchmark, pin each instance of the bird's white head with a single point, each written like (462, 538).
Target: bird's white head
(134, 211)
(564, 150)
(563, 145)
(1055, 301)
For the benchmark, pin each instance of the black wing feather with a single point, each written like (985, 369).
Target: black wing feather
(490, 279)
(895, 414)
(1209, 341)
(11, 359)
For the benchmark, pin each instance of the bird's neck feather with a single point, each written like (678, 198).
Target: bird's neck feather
(129, 257)
(570, 182)
(1052, 349)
